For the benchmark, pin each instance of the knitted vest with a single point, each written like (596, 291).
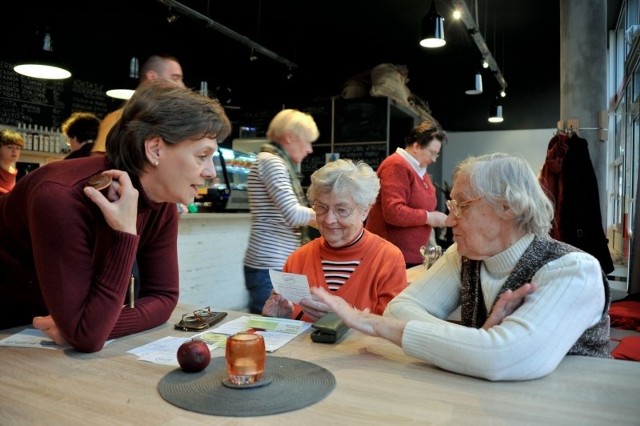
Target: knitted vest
(593, 342)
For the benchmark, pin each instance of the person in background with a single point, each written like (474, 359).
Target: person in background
(81, 128)
(366, 271)
(158, 154)
(526, 300)
(159, 66)
(11, 143)
(404, 212)
(279, 208)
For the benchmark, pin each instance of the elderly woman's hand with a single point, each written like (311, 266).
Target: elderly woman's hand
(364, 321)
(277, 306)
(351, 316)
(313, 308)
(120, 207)
(507, 304)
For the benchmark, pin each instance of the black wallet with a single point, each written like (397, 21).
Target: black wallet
(329, 329)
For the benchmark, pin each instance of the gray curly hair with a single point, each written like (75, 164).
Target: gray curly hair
(344, 176)
(507, 179)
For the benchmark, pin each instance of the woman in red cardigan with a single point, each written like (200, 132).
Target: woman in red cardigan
(347, 260)
(404, 212)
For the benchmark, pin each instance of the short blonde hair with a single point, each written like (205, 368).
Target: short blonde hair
(293, 122)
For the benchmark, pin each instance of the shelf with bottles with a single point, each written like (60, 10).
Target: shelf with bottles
(41, 144)
(42, 139)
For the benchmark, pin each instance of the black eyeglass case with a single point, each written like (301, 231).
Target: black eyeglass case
(329, 329)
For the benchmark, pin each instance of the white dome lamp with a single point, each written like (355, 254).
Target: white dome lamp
(45, 64)
(129, 84)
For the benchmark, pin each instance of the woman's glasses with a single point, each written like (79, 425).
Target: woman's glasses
(200, 319)
(341, 212)
(457, 208)
(434, 155)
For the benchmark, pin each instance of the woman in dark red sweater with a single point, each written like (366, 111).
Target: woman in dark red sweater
(404, 212)
(67, 251)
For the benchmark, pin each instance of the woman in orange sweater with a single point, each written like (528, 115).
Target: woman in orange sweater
(364, 269)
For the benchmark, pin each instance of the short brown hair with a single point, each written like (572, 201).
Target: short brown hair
(160, 108)
(11, 137)
(81, 125)
(425, 132)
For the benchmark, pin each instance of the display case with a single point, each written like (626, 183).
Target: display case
(228, 192)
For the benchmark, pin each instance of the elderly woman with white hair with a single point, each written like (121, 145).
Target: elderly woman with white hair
(526, 300)
(361, 268)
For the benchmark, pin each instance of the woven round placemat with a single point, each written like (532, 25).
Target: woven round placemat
(294, 384)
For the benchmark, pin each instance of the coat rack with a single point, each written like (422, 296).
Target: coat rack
(569, 126)
(572, 126)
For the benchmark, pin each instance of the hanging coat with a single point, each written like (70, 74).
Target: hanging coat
(570, 181)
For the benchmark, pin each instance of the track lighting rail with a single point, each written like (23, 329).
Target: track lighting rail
(185, 10)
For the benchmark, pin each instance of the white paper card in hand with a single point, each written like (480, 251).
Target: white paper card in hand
(292, 286)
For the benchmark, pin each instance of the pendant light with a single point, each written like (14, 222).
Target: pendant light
(432, 28)
(495, 112)
(126, 88)
(477, 87)
(204, 88)
(43, 63)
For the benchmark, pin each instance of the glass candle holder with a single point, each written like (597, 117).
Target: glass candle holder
(245, 356)
(430, 254)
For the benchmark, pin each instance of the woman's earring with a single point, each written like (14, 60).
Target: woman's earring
(155, 163)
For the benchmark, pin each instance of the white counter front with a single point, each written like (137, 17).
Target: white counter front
(211, 247)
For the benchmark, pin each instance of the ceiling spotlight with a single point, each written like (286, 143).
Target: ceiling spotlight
(503, 93)
(252, 56)
(432, 28)
(485, 63)
(171, 17)
(457, 14)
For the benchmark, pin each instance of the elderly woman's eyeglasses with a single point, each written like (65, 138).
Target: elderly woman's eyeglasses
(340, 211)
(433, 154)
(457, 208)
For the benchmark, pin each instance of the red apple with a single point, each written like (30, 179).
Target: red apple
(193, 356)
